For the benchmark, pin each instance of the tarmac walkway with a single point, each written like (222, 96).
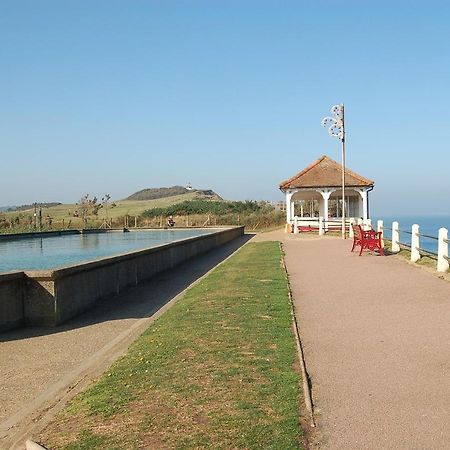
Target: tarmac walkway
(41, 368)
(376, 338)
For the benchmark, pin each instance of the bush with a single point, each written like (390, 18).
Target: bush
(209, 207)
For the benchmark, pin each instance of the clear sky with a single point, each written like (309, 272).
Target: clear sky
(115, 96)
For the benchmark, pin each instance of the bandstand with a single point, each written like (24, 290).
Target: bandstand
(316, 192)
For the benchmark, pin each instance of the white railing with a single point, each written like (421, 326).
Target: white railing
(414, 244)
(417, 252)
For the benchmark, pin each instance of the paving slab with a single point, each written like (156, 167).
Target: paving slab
(376, 338)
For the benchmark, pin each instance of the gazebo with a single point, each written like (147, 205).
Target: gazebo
(316, 191)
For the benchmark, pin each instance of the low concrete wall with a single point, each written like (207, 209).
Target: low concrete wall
(12, 286)
(54, 296)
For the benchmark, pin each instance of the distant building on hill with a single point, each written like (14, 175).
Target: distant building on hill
(317, 191)
(279, 206)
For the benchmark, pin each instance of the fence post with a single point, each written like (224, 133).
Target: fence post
(350, 228)
(368, 224)
(395, 247)
(360, 221)
(415, 243)
(296, 225)
(380, 228)
(320, 226)
(442, 262)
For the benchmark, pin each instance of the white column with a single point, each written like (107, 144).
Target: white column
(296, 225)
(363, 194)
(442, 262)
(415, 243)
(288, 206)
(395, 247)
(325, 193)
(321, 230)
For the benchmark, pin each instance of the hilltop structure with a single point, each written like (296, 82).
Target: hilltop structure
(321, 182)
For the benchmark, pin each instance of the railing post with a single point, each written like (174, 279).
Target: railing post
(368, 224)
(415, 243)
(395, 247)
(360, 222)
(296, 225)
(442, 262)
(350, 229)
(380, 229)
(321, 226)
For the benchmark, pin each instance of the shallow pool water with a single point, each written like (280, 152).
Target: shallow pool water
(40, 253)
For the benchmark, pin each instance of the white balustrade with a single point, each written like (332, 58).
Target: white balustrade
(415, 243)
(395, 247)
(321, 229)
(442, 262)
(380, 228)
(350, 230)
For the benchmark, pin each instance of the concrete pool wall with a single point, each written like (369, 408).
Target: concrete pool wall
(51, 297)
(12, 292)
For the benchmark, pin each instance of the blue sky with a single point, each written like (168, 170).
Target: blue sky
(115, 96)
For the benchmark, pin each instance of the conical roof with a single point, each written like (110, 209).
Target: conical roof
(325, 172)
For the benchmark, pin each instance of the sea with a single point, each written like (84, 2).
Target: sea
(429, 225)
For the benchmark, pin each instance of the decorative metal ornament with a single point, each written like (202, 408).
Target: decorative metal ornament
(334, 124)
(336, 110)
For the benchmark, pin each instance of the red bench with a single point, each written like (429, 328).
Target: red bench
(370, 240)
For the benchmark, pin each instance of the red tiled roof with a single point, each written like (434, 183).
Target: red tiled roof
(325, 172)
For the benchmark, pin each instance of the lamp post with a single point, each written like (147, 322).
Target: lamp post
(336, 128)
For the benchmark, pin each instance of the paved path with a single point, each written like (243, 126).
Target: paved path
(376, 337)
(40, 366)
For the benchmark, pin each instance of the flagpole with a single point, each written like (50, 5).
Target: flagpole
(344, 234)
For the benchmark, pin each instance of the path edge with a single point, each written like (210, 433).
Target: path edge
(305, 377)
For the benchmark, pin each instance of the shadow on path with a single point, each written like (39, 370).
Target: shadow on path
(141, 301)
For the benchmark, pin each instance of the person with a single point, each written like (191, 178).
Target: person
(170, 222)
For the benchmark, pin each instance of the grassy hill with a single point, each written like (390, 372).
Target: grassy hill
(122, 208)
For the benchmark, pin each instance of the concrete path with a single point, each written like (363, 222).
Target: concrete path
(376, 337)
(40, 368)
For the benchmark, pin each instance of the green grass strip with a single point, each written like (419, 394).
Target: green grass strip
(215, 371)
